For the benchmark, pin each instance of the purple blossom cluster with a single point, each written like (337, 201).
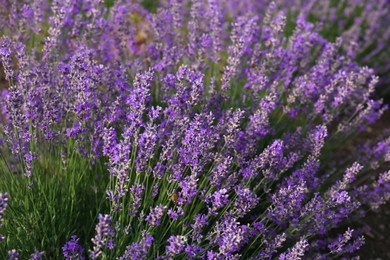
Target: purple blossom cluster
(72, 250)
(138, 250)
(3, 206)
(221, 134)
(102, 240)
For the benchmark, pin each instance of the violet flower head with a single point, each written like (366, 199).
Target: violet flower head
(215, 15)
(139, 250)
(3, 206)
(271, 161)
(348, 178)
(154, 217)
(317, 140)
(136, 193)
(230, 235)
(380, 193)
(245, 201)
(72, 250)
(341, 197)
(13, 254)
(272, 245)
(218, 199)
(297, 252)
(104, 233)
(176, 245)
(37, 255)
(338, 245)
(200, 221)
(6, 58)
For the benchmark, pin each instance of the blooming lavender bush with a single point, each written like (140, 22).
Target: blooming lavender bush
(183, 133)
(362, 24)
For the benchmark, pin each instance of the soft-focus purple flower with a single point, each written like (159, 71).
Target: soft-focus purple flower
(3, 206)
(176, 245)
(245, 201)
(6, 58)
(218, 199)
(379, 194)
(271, 161)
(136, 193)
(72, 250)
(341, 197)
(339, 244)
(230, 235)
(193, 251)
(104, 233)
(13, 254)
(154, 217)
(271, 246)
(37, 255)
(200, 221)
(138, 250)
(175, 214)
(297, 252)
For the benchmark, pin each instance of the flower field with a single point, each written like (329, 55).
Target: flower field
(186, 129)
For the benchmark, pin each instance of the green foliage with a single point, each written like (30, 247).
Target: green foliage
(63, 199)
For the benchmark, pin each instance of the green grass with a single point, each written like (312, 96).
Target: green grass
(64, 200)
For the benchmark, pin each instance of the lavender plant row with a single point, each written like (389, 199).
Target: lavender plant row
(362, 25)
(194, 131)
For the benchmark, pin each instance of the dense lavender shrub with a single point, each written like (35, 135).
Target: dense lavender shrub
(198, 131)
(361, 23)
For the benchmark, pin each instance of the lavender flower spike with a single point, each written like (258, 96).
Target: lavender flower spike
(3, 206)
(104, 232)
(72, 250)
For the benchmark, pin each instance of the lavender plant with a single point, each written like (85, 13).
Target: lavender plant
(184, 133)
(362, 25)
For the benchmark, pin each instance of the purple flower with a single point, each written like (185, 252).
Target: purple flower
(218, 199)
(215, 16)
(138, 250)
(13, 255)
(72, 250)
(6, 58)
(230, 236)
(193, 251)
(3, 206)
(272, 245)
(200, 220)
(297, 252)
(136, 193)
(37, 255)
(188, 189)
(104, 233)
(348, 178)
(176, 245)
(245, 201)
(338, 245)
(287, 203)
(356, 244)
(379, 194)
(341, 197)
(271, 162)
(154, 217)
(175, 214)
(244, 29)
(317, 139)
